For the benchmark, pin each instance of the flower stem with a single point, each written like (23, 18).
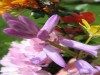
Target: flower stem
(88, 40)
(81, 52)
(71, 53)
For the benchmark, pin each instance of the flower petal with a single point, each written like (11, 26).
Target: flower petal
(8, 17)
(51, 23)
(48, 26)
(97, 67)
(80, 46)
(55, 56)
(32, 26)
(43, 34)
(18, 26)
(86, 23)
(84, 67)
(15, 33)
(39, 58)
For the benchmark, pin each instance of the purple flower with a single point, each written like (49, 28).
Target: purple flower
(98, 68)
(35, 51)
(84, 67)
(48, 27)
(21, 27)
(93, 50)
(28, 57)
(8, 17)
(26, 28)
(55, 56)
(20, 59)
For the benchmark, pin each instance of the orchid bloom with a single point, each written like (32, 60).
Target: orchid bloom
(92, 30)
(93, 50)
(85, 68)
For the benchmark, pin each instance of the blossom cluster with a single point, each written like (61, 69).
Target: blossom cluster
(50, 43)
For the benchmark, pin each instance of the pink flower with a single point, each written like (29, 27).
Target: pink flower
(20, 60)
(28, 58)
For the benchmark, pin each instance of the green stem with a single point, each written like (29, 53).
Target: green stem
(81, 52)
(62, 48)
(88, 40)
